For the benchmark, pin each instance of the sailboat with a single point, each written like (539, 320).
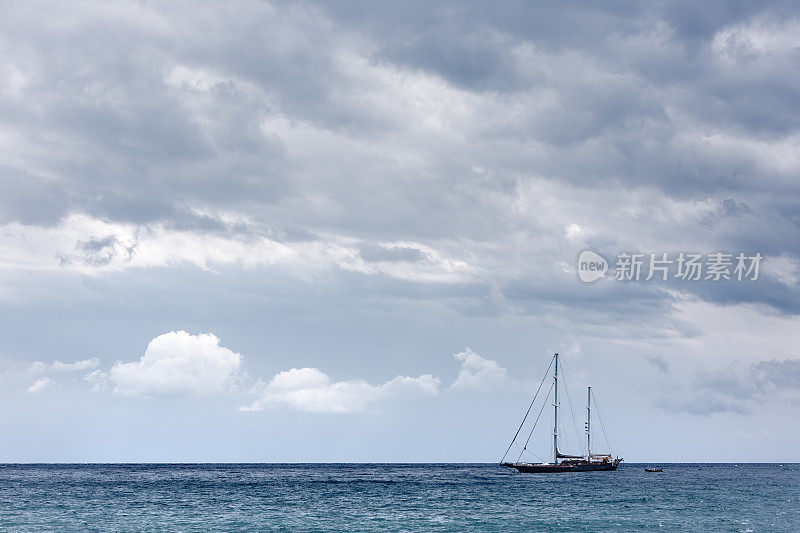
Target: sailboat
(562, 462)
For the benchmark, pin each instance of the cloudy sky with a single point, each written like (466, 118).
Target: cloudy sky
(254, 231)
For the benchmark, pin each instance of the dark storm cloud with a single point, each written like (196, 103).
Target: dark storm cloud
(471, 45)
(776, 294)
(102, 80)
(418, 122)
(98, 116)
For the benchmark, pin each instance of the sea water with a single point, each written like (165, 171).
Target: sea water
(396, 497)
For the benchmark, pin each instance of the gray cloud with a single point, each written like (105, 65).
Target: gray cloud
(663, 127)
(703, 405)
(367, 190)
(372, 252)
(762, 378)
(735, 389)
(658, 362)
(98, 251)
(588, 96)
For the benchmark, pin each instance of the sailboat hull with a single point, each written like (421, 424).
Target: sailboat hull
(529, 468)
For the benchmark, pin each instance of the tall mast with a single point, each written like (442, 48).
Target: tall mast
(589, 424)
(555, 414)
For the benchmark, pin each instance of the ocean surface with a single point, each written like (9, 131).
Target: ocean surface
(396, 497)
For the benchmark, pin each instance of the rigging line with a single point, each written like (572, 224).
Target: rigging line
(544, 403)
(534, 456)
(572, 412)
(529, 409)
(602, 426)
(569, 400)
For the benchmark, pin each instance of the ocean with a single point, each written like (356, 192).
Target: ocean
(396, 497)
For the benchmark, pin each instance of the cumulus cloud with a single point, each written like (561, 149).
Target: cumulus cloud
(311, 390)
(177, 363)
(478, 373)
(41, 385)
(98, 380)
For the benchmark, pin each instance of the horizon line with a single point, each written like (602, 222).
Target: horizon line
(180, 463)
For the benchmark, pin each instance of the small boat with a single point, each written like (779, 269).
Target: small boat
(653, 470)
(591, 462)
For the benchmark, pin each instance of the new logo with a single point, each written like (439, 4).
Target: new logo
(591, 266)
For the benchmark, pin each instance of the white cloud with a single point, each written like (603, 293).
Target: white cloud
(40, 385)
(425, 385)
(311, 390)
(478, 373)
(783, 268)
(92, 246)
(757, 36)
(574, 232)
(178, 363)
(38, 367)
(85, 364)
(98, 379)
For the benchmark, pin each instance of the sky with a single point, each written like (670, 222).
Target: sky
(342, 231)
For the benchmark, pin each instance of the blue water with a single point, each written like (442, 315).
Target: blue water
(397, 497)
